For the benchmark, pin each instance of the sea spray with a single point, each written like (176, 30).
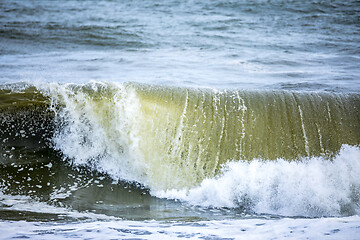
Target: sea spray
(171, 138)
(96, 128)
(310, 187)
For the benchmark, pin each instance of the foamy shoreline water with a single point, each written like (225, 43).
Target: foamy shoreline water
(346, 228)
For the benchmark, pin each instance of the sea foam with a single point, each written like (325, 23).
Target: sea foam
(310, 187)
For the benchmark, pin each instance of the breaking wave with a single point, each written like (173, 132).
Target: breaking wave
(279, 152)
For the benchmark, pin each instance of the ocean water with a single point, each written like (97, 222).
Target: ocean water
(179, 119)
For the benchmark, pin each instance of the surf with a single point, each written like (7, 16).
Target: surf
(172, 137)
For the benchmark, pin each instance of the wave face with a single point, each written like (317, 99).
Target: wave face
(258, 150)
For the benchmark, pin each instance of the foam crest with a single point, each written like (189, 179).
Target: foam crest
(97, 127)
(312, 187)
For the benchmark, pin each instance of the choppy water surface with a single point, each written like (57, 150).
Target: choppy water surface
(179, 119)
(278, 44)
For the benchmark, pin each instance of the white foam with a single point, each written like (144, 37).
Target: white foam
(311, 187)
(323, 228)
(101, 130)
(100, 134)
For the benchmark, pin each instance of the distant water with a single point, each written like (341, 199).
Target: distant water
(180, 119)
(311, 45)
